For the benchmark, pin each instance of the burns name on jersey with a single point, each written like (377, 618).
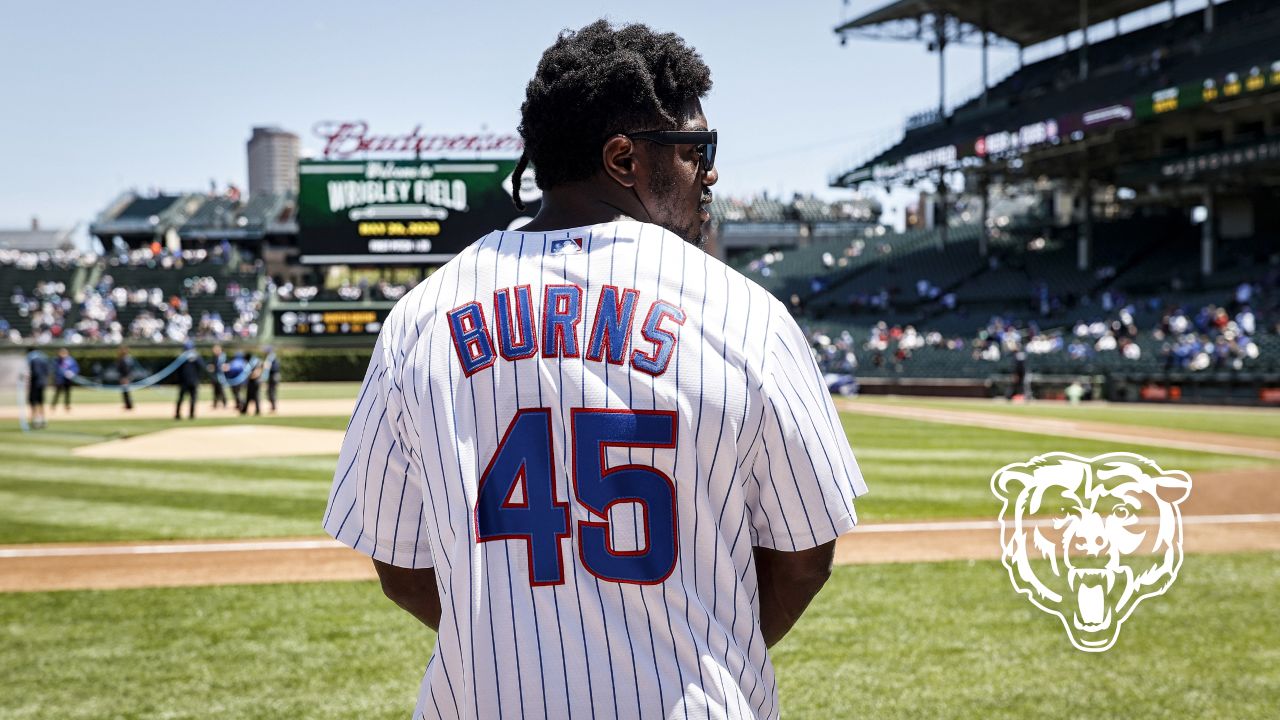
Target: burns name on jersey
(553, 328)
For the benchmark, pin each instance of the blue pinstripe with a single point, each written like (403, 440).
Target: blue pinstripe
(555, 597)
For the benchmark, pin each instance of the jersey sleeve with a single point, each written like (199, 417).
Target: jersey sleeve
(804, 478)
(375, 504)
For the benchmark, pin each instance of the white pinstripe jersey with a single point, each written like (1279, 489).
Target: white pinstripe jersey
(585, 432)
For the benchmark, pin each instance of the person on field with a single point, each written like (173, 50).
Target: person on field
(188, 381)
(601, 463)
(39, 372)
(125, 366)
(217, 372)
(272, 372)
(253, 389)
(233, 373)
(65, 368)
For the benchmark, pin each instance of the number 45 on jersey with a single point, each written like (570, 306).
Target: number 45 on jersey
(526, 458)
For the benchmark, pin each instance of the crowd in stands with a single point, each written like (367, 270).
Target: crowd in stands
(24, 260)
(798, 208)
(1191, 337)
(111, 313)
(155, 256)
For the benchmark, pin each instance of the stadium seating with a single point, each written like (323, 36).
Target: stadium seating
(1145, 60)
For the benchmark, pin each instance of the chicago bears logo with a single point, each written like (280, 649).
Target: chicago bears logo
(1087, 539)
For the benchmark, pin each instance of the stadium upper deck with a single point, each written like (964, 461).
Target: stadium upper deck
(1044, 114)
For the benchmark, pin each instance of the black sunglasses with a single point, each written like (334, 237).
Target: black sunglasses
(703, 140)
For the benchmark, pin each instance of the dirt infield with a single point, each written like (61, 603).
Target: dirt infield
(30, 568)
(1085, 430)
(1227, 512)
(218, 443)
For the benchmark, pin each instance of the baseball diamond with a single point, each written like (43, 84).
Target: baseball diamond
(691, 361)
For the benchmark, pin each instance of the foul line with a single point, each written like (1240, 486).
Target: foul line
(996, 524)
(88, 551)
(329, 544)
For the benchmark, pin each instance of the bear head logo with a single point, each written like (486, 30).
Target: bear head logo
(1087, 539)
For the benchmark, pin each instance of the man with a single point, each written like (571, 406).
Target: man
(601, 463)
(38, 372)
(217, 373)
(124, 368)
(234, 372)
(252, 389)
(271, 369)
(188, 381)
(65, 368)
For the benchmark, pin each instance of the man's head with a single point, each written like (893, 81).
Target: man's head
(595, 89)
(63, 352)
(217, 349)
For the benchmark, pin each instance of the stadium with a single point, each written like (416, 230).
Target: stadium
(1089, 263)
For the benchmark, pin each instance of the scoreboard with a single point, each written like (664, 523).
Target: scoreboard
(403, 211)
(316, 323)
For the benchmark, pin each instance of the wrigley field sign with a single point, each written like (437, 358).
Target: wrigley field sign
(402, 211)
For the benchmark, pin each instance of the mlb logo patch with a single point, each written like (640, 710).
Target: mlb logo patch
(566, 246)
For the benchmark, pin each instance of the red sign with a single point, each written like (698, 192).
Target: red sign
(349, 139)
(1269, 395)
(1160, 393)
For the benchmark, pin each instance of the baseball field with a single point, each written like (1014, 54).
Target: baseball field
(157, 568)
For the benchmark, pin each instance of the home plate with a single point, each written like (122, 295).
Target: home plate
(218, 443)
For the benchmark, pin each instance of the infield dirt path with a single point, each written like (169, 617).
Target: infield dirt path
(1227, 512)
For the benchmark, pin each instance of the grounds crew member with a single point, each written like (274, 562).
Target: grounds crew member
(38, 372)
(65, 368)
(124, 368)
(272, 372)
(232, 372)
(253, 391)
(216, 368)
(188, 382)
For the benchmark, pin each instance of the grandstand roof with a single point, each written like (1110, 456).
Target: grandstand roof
(1173, 75)
(1025, 22)
(34, 240)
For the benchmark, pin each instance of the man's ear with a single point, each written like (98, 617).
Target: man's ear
(619, 157)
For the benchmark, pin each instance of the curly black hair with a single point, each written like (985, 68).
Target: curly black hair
(597, 82)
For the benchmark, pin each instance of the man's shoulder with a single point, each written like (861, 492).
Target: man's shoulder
(692, 254)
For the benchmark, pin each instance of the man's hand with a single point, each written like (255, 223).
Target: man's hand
(788, 581)
(414, 590)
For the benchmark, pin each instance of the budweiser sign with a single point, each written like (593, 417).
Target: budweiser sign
(344, 140)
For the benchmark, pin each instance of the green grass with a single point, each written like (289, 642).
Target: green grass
(282, 651)
(953, 640)
(1252, 422)
(937, 640)
(915, 470)
(928, 470)
(49, 495)
(169, 393)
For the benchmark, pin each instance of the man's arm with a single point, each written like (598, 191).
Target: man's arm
(788, 581)
(414, 590)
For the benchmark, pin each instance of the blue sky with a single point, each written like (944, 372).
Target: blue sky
(97, 98)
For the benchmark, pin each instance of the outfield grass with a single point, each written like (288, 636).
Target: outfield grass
(1254, 422)
(928, 470)
(915, 470)
(937, 640)
(49, 495)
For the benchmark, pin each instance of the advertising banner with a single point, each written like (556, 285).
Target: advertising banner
(403, 211)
